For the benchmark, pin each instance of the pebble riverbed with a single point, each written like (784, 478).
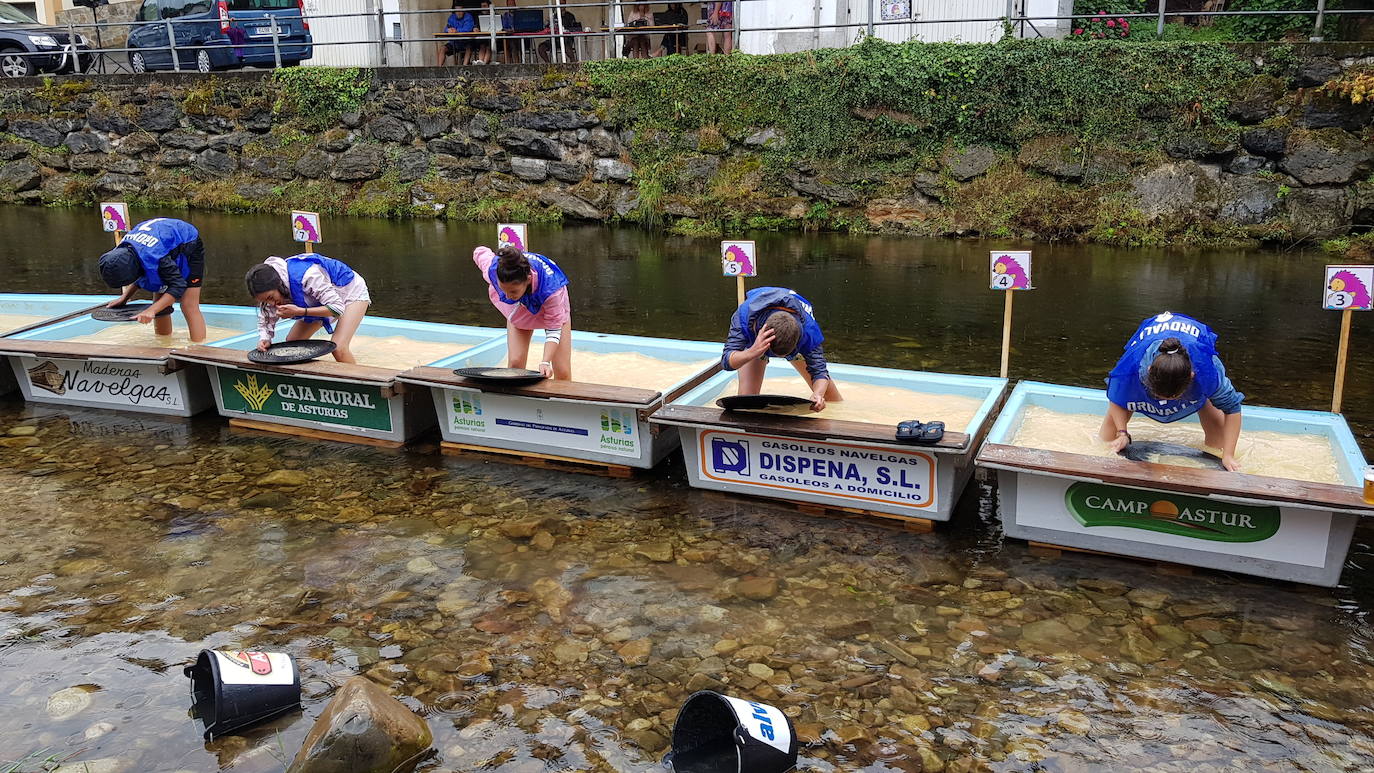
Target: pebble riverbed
(548, 621)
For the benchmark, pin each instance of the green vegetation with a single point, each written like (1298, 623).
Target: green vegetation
(36, 762)
(880, 111)
(1207, 28)
(61, 92)
(317, 96)
(879, 100)
(1359, 247)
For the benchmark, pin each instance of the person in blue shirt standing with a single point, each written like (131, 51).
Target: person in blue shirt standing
(1170, 370)
(165, 257)
(777, 322)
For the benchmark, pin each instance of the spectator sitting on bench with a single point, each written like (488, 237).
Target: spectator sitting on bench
(461, 20)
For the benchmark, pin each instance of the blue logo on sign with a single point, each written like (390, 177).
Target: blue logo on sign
(730, 456)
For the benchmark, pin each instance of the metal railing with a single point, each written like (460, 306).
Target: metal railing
(564, 44)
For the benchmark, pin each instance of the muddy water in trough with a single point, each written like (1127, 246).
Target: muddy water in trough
(547, 621)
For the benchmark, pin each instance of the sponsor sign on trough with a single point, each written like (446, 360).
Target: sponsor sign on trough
(861, 473)
(327, 402)
(1094, 504)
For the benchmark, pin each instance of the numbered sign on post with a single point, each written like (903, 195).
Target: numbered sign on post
(1348, 287)
(512, 234)
(305, 227)
(1011, 271)
(114, 216)
(738, 259)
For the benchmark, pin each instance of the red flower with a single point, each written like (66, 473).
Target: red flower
(1111, 23)
(1078, 32)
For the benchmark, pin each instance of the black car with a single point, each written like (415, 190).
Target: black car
(28, 48)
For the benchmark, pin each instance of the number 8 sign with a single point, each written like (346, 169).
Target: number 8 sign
(1348, 288)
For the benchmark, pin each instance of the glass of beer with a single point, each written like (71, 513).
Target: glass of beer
(1369, 484)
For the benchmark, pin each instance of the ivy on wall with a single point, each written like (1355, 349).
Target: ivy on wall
(864, 102)
(319, 95)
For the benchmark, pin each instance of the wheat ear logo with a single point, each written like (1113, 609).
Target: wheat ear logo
(254, 393)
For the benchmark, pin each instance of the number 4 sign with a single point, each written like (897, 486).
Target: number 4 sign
(1348, 287)
(1011, 271)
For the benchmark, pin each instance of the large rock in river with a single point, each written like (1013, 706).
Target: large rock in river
(363, 730)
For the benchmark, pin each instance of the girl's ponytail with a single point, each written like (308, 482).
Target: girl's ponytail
(511, 264)
(1171, 372)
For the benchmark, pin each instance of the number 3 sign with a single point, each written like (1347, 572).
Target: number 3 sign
(1348, 287)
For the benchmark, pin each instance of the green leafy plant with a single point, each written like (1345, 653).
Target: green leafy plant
(859, 103)
(319, 95)
(1103, 20)
(1276, 27)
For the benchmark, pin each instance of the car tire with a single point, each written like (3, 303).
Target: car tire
(290, 63)
(203, 63)
(137, 63)
(13, 63)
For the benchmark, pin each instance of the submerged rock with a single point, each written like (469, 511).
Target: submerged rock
(284, 478)
(757, 588)
(272, 499)
(363, 730)
(67, 703)
(1048, 633)
(421, 565)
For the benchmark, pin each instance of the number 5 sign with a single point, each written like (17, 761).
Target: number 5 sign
(737, 259)
(1348, 287)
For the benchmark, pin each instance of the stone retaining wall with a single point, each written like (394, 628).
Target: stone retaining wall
(542, 145)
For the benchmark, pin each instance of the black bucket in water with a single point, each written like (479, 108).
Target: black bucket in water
(715, 733)
(236, 690)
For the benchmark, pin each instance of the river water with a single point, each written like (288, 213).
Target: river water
(547, 621)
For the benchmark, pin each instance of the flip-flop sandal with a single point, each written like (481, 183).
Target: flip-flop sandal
(918, 432)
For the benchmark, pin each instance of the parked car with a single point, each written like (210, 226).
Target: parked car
(28, 48)
(215, 34)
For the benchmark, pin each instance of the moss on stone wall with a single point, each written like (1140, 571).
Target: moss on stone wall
(1125, 143)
